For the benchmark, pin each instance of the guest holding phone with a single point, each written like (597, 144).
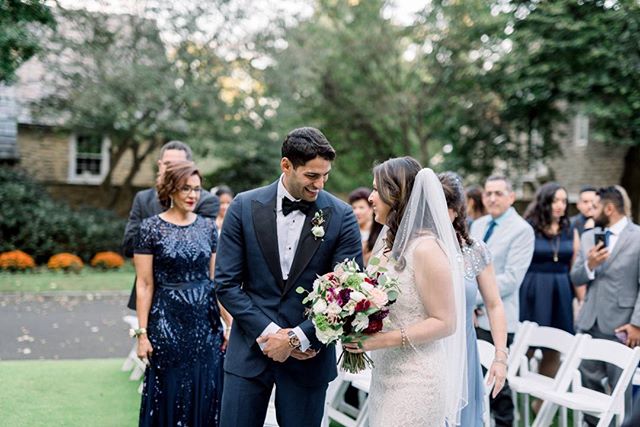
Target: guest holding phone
(609, 265)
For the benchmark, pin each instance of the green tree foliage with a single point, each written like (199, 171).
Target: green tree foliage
(571, 57)
(19, 21)
(380, 89)
(163, 74)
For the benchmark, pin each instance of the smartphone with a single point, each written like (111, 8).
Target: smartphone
(600, 237)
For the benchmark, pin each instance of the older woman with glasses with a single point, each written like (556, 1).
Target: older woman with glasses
(181, 336)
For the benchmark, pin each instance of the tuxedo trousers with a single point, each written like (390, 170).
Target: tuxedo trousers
(245, 400)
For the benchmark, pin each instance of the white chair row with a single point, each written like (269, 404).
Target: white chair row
(132, 362)
(565, 390)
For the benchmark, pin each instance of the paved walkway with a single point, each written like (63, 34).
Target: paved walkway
(63, 326)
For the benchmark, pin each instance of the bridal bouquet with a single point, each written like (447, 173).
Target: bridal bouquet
(348, 303)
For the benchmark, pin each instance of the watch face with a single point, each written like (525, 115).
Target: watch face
(294, 341)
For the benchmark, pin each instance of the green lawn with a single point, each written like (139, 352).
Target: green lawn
(88, 279)
(90, 392)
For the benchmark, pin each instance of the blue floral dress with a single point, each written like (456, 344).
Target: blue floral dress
(183, 382)
(476, 258)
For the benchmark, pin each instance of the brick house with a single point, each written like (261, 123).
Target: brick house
(582, 160)
(69, 164)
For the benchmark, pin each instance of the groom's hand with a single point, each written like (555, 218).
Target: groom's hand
(277, 345)
(303, 355)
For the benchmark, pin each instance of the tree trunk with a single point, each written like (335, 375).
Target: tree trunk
(115, 155)
(631, 179)
(125, 190)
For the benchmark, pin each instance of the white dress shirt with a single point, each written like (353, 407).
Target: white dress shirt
(289, 229)
(615, 230)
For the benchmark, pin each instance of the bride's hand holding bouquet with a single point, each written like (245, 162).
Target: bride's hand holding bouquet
(349, 305)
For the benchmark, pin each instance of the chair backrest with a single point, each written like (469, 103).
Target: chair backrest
(555, 339)
(519, 348)
(546, 337)
(486, 353)
(606, 351)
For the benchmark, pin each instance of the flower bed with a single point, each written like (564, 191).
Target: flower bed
(16, 261)
(107, 260)
(65, 261)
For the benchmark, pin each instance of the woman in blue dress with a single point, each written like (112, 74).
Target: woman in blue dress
(479, 275)
(546, 293)
(181, 335)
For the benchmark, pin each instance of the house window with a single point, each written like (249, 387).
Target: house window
(89, 159)
(581, 130)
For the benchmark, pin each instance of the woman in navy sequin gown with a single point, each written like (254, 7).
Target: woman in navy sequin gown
(546, 294)
(184, 341)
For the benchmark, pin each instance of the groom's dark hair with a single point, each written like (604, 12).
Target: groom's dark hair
(304, 144)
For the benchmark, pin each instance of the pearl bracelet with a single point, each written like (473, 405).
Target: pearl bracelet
(403, 338)
(503, 350)
(501, 361)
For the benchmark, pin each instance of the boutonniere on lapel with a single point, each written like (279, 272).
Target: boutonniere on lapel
(317, 229)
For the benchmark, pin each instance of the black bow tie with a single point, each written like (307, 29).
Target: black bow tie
(289, 206)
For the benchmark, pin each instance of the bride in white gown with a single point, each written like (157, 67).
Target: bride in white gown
(419, 375)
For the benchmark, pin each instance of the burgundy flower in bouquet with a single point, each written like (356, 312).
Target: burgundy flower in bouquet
(348, 303)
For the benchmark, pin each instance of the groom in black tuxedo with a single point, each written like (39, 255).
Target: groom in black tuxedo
(275, 239)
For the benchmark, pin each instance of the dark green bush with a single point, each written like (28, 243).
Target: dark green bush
(30, 220)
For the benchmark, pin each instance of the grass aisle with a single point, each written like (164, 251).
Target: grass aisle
(91, 392)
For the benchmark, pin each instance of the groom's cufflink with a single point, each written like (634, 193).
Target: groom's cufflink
(294, 341)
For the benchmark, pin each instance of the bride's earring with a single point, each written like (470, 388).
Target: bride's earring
(171, 198)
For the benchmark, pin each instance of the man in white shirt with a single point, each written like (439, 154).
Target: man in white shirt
(609, 264)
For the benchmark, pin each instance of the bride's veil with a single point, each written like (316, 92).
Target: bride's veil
(427, 214)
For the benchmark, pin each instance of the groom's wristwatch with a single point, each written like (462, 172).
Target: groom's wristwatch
(294, 341)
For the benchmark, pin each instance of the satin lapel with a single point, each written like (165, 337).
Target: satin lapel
(307, 246)
(264, 224)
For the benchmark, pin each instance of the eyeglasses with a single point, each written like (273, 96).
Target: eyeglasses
(187, 189)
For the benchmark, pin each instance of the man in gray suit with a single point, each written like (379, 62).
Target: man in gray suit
(146, 204)
(611, 271)
(511, 241)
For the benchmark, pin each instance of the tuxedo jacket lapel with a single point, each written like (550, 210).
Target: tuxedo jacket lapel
(264, 224)
(307, 246)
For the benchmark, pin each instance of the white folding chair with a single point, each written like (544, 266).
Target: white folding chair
(523, 380)
(583, 400)
(129, 362)
(271, 420)
(486, 353)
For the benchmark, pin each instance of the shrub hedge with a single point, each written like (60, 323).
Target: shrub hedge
(30, 220)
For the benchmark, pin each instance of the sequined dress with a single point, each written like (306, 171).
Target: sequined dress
(183, 382)
(407, 385)
(476, 259)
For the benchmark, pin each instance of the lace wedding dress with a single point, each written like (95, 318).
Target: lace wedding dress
(407, 386)
(425, 382)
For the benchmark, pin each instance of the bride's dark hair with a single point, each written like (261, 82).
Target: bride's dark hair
(394, 181)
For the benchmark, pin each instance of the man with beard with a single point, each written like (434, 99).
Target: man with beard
(609, 264)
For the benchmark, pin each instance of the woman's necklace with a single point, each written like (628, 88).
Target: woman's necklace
(555, 246)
